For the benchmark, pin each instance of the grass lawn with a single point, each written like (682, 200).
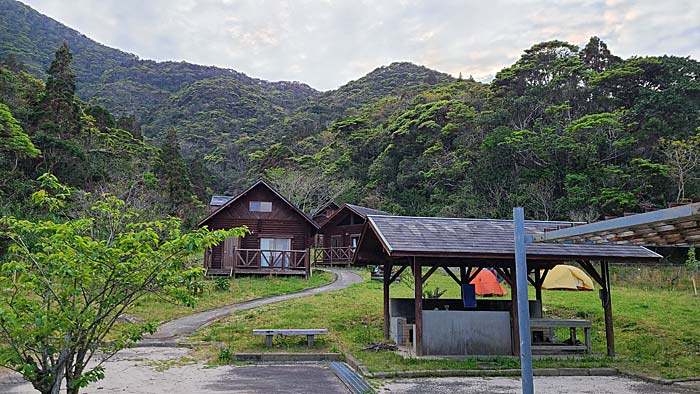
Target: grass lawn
(657, 331)
(240, 289)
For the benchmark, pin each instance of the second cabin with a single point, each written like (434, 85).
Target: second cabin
(340, 234)
(280, 238)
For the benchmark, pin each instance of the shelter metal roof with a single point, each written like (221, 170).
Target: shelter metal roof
(485, 238)
(677, 226)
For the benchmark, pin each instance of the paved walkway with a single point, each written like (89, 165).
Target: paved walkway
(149, 370)
(174, 330)
(543, 385)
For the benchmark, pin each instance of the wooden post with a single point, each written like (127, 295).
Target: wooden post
(307, 263)
(538, 285)
(463, 275)
(418, 332)
(515, 329)
(606, 298)
(387, 316)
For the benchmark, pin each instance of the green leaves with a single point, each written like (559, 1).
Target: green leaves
(65, 283)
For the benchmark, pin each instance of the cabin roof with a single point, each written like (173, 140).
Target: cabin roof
(364, 211)
(217, 201)
(331, 205)
(243, 193)
(483, 239)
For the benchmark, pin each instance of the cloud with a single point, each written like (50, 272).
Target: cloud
(327, 43)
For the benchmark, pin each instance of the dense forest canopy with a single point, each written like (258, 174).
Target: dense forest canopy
(568, 132)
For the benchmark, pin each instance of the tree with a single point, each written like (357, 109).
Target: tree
(693, 265)
(682, 159)
(200, 177)
(173, 175)
(309, 190)
(13, 140)
(59, 113)
(65, 283)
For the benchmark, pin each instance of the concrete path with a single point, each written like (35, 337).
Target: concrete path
(149, 370)
(543, 385)
(169, 333)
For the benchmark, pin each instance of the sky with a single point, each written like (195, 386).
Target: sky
(326, 43)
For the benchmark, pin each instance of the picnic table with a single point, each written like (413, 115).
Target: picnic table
(572, 325)
(310, 333)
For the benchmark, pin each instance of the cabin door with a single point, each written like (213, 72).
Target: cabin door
(228, 255)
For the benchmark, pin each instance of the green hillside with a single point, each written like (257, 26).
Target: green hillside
(568, 132)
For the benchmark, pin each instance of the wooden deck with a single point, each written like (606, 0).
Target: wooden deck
(341, 255)
(263, 262)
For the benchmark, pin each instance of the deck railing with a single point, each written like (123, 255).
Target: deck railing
(334, 255)
(270, 260)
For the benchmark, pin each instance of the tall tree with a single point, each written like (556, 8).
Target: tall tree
(58, 111)
(199, 176)
(173, 175)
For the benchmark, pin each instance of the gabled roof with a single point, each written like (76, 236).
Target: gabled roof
(363, 212)
(217, 201)
(272, 189)
(483, 239)
(331, 205)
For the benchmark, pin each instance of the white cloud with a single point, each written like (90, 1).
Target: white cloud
(327, 43)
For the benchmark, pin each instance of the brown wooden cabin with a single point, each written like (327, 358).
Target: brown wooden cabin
(322, 215)
(340, 234)
(280, 238)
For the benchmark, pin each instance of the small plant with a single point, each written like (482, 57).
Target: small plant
(225, 354)
(222, 284)
(436, 293)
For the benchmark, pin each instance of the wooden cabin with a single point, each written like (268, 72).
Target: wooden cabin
(340, 234)
(321, 216)
(280, 238)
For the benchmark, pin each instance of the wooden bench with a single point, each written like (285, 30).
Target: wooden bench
(310, 333)
(571, 324)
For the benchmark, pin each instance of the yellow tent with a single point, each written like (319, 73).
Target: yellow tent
(566, 277)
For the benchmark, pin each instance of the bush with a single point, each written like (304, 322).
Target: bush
(222, 284)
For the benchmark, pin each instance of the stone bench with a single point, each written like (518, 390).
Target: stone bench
(310, 333)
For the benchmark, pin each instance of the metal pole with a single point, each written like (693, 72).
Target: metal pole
(523, 306)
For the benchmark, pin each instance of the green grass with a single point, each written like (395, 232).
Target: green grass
(657, 331)
(240, 289)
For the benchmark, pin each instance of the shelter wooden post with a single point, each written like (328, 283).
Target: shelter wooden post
(606, 298)
(515, 326)
(538, 285)
(387, 284)
(418, 331)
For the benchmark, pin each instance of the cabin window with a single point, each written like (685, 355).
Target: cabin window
(336, 241)
(355, 240)
(273, 249)
(260, 206)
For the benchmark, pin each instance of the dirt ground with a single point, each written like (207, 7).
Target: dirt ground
(543, 385)
(158, 370)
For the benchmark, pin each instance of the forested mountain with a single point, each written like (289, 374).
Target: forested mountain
(568, 132)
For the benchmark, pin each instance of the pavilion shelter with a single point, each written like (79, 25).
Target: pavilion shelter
(462, 248)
